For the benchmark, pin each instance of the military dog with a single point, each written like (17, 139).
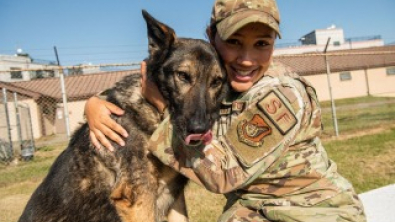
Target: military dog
(130, 184)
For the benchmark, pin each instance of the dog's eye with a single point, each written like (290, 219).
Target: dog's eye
(216, 83)
(183, 76)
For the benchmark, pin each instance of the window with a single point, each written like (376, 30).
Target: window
(16, 73)
(39, 74)
(336, 43)
(391, 71)
(345, 76)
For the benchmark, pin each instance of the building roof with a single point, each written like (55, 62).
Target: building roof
(22, 92)
(342, 60)
(78, 87)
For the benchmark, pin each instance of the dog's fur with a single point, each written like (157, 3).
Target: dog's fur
(130, 184)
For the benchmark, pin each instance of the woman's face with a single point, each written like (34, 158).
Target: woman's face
(246, 54)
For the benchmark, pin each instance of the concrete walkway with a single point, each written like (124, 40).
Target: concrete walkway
(380, 204)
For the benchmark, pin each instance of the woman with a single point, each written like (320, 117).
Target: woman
(267, 157)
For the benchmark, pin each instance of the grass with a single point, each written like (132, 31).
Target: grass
(367, 161)
(364, 153)
(358, 114)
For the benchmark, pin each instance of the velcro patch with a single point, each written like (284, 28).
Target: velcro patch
(276, 110)
(252, 132)
(260, 129)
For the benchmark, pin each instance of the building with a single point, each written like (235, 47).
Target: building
(353, 73)
(320, 36)
(316, 41)
(45, 100)
(21, 67)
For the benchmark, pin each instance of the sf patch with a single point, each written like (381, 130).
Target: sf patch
(253, 131)
(261, 129)
(279, 114)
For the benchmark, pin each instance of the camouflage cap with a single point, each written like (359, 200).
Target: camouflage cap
(231, 15)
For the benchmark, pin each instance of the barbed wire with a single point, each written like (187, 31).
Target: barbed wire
(58, 68)
(337, 54)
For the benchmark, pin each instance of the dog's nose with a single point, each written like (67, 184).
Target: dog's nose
(197, 127)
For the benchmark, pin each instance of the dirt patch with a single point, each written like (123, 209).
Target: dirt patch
(11, 207)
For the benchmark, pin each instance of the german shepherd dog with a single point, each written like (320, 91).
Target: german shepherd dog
(130, 184)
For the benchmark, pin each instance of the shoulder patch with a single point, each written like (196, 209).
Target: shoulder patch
(260, 129)
(276, 110)
(253, 131)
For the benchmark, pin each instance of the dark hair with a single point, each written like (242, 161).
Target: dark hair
(211, 31)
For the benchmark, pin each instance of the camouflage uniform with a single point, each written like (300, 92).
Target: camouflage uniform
(266, 157)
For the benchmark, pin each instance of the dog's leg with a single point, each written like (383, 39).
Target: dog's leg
(178, 211)
(134, 204)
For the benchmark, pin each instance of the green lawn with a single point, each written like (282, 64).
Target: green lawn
(358, 114)
(364, 152)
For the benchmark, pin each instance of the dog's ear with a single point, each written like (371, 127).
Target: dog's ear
(160, 36)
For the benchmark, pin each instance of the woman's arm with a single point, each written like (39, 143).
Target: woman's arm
(255, 140)
(150, 91)
(98, 111)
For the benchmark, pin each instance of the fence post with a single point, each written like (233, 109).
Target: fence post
(8, 121)
(18, 121)
(367, 82)
(328, 72)
(32, 143)
(64, 95)
(65, 105)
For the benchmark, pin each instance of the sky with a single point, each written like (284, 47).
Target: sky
(114, 31)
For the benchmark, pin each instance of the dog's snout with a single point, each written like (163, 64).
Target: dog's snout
(198, 126)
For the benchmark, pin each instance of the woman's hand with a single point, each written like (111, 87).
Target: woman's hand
(101, 126)
(150, 91)
(98, 112)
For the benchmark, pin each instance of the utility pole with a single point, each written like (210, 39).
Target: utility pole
(328, 72)
(64, 95)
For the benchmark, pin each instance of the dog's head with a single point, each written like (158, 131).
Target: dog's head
(190, 77)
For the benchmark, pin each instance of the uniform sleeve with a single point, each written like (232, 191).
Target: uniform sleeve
(258, 137)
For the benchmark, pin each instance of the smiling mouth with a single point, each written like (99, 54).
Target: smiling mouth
(243, 75)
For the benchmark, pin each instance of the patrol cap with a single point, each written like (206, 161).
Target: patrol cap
(231, 15)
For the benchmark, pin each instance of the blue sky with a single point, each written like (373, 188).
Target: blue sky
(113, 31)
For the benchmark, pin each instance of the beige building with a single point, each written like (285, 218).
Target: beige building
(353, 73)
(316, 41)
(44, 99)
(14, 68)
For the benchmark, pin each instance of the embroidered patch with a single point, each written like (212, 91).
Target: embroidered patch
(238, 107)
(281, 116)
(253, 132)
(225, 111)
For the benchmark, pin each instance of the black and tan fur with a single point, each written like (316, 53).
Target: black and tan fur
(130, 184)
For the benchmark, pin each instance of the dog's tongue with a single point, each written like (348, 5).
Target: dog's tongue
(205, 138)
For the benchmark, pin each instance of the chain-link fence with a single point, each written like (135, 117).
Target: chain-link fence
(16, 135)
(56, 104)
(24, 125)
(6, 149)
